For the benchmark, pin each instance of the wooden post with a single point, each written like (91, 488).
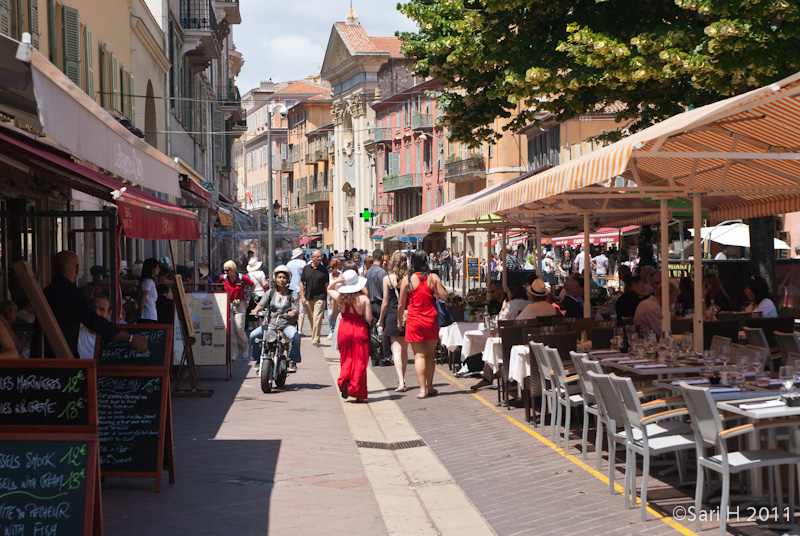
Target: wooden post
(697, 221)
(503, 259)
(465, 270)
(666, 323)
(587, 270)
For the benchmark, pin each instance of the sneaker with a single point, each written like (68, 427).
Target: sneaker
(291, 366)
(329, 336)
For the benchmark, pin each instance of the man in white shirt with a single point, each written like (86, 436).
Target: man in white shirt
(722, 255)
(648, 313)
(600, 265)
(580, 261)
(88, 339)
(296, 266)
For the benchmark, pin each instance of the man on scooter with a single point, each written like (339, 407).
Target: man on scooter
(282, 308)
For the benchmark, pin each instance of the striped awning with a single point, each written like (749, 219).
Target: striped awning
(741, 153)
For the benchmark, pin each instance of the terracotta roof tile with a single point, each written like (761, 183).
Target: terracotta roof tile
(303, 88)
(388, 44)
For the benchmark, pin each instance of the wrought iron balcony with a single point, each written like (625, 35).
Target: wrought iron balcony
(229, 95)
(317, 196)
(286, 165)
(403, 182)
(198, 15)
(466, 170)
(321, 154)
(383, 134)
(422, 122)
(308, 158)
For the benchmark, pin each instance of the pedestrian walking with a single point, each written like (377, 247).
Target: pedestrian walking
(296, 266)
(398, 270)
(419, 289)
(237, 286)
(313, 280)
(333, 309)
(353, 333)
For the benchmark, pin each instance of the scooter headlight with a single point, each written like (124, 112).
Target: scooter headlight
(272, 336)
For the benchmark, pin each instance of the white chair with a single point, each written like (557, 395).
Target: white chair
(640, 440)
(736, 352)
(709, 432)
(613, 413)
(567, 393)
(756, 337)
(589, 407)
(548, 403)
(787, 344)
(717, 342)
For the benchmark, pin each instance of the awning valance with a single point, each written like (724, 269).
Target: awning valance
(142, 215)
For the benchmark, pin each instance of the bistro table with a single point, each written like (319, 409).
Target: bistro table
(453, 335)
(493, 353)
(474, 342)
(519, 366)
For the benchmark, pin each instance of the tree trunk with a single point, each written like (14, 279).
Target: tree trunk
(762, 250)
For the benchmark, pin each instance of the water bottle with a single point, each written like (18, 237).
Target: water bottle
(467, 312)
(380, 331)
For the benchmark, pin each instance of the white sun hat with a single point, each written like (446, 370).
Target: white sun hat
(352, 283)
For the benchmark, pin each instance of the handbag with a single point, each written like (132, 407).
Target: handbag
(443, 313)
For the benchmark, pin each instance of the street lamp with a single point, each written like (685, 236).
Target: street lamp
(345, 238)
(283, 110)
(276, 207)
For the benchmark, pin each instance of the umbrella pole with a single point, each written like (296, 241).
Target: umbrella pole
(587, 269)
(666, 323)
(503, 252)
(697, 270)
(465, 270)
(539, 258)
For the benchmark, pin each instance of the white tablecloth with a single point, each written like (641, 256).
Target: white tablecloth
(453, 335)
(493, 353)
(519, 366)
(474, 341)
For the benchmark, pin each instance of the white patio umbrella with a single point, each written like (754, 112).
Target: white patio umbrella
(735, 234)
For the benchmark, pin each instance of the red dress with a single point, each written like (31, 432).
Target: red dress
(422, 323)
(353, 340)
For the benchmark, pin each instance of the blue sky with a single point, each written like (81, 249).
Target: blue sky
(286, 39)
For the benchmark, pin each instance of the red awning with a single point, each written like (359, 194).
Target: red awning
(306, 239)
(511, 240)
(141, 215)
(606, 235)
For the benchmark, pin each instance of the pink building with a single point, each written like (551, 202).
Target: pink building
(409, 150)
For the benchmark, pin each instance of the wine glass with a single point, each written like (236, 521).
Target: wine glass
(756, 361)
(633, 342)
(786, 375)
(724, 355)
(687, 342)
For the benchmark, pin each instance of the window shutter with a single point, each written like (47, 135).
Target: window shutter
(88, 61)
(71, 32)
(131, 100)
(5, 17)
(113, 75)
(51, 30)
(123, 89)
(218, 127)
(33, 21)
(394, 163)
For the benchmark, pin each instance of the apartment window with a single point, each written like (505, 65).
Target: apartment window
(88, 64)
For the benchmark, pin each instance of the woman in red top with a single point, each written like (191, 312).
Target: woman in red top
(237, 286)
(421, 288)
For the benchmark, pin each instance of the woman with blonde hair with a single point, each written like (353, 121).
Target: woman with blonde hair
(398, 269)
(353, 333)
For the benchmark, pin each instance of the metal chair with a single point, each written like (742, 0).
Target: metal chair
(717, 342)
(541, 361)
(709, 432)
(567, 393)
(787, 344)
(590, 406)
(757, 337)
(724, 328)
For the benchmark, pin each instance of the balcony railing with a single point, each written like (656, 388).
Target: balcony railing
(286, 166)
(308, 158)
(229, 95)
(383, 134)
(422, 121)
(384, 209)
(403, 182)
(465, 170)
(317, 196)
(320, 155)
(198, 15)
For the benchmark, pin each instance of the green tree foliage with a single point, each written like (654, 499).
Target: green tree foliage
(644, 59)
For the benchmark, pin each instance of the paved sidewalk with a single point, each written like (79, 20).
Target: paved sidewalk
(248, 463)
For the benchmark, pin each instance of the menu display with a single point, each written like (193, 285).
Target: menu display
(31, 396)
(43, 488)
(115, 353)
(473, 267)
(130, 415)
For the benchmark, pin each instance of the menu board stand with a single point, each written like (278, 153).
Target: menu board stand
(49, 444)
(187, 357)
(134, 406)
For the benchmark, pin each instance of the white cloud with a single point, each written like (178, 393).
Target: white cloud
(286, 40)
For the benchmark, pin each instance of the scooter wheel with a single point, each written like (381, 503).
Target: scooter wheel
(280, 381)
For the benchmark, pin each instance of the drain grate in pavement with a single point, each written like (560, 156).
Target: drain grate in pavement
(391, 446)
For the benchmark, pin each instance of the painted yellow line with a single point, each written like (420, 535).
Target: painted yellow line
(600, 476)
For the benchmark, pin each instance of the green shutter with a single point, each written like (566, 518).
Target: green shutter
(113, 75)
(5, 17)
(131, 100)
(219, 126)
(33, 21)
(51, 30)
(88, 63)
(71, 32)
(394, 163)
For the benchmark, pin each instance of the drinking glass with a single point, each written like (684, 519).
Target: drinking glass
(786, 375)
(756, 361)
(687, 342)
(724, 355)
(633, 342)
(690, 313)
(619, 332)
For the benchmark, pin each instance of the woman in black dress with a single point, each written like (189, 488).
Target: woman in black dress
(398, 269)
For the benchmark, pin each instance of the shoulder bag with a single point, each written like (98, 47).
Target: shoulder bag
(443, 313)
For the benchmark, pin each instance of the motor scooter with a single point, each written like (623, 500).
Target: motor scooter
(274, 360)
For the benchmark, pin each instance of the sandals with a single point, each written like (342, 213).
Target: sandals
(399, 390)
(432, 392)
(344, 388)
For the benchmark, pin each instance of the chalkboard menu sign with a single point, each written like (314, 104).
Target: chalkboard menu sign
(473, 267)
(46, 486)
(129, 409)
(114, 353)
(49, 465)
(52, 392)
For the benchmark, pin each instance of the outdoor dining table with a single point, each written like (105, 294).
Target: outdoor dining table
(493, 353)
(719, 393)
(474, 342)
(519, 366)
(643, 367)
(452, 336)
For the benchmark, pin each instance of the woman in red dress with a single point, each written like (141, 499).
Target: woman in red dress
(353, 333)
(421, 288)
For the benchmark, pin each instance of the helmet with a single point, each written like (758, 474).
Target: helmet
(282, 268)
